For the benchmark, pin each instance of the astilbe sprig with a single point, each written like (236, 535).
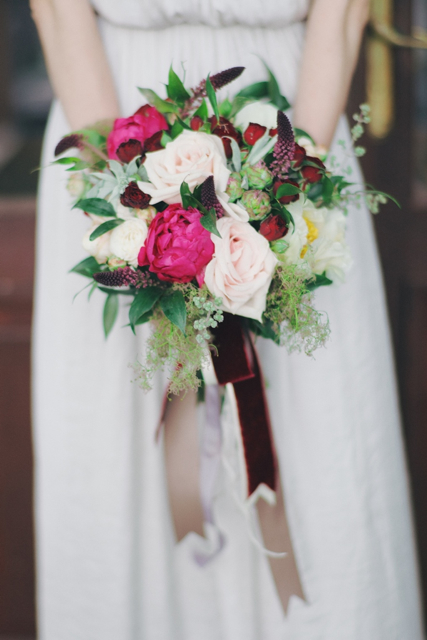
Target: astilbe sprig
(125, 277)
(218, 80)
(284, 149)
(209, 198)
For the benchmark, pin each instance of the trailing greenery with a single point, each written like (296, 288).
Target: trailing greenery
(295, 322)
(181, 354)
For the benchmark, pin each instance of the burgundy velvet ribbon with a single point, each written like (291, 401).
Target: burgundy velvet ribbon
(236, 362)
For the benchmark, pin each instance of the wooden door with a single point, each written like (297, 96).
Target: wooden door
(396, 163)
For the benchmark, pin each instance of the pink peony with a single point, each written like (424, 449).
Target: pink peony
(177, 247)
(142, 125)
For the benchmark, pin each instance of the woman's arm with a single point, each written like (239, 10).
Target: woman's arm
(334, 34)
(76, 60)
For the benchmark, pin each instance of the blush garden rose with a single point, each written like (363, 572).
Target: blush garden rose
(241, 269)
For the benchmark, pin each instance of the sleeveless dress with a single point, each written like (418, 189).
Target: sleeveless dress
(108, 565)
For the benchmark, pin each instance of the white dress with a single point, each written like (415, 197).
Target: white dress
(107, 563)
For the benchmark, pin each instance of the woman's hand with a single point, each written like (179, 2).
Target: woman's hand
(334, 34)
(76, 60)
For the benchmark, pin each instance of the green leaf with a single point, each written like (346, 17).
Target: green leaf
(144, 318)
(300, 133)
(212, 97)
(173, 306)
(165, 139)
(208, 221)
(86, 267)
(185, 195)
(119, 292)
(287, 190)
(67, 160)
(176, 130)
(315, 191)
(225, 108)
(202, 111)
(78, 164)
(143, 302)
(175, 88)
(161, 105)
(328, 189)
(274, 91)
(256, 91)
(287, 216)
(98, 206)
(94, 137)
(264, 329)
(319, 281)
(105, 227)
(111, 309)
(183, 124)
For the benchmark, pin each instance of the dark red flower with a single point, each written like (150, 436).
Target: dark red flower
(285, 199)
(299, 156)
(127, 151)
(141, 126)
(225, 128)
(154, 143)
(196, 122)
(273, 132)
(313, 174)
(135, 198)
(74, 140)
(273, 228)
(253, 133)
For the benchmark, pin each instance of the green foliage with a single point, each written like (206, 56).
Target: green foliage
(212, 97)
(161, 105)
(143, 302)
(105, 227)
(299, 326)
(175, 88)
(202, 111)
(173, 306)
(256, 91)
(111, 309)
(86, 267)
(97, 206)
(274, 91)
(208, 219)
(300, 133)
(78, 164)
(287, 190)
(318, 281)
(225, 108)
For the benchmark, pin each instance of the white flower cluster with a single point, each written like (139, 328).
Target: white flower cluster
(319, 239)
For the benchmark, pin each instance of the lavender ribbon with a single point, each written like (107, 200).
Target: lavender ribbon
(210, 461)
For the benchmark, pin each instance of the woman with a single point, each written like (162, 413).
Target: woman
(108, 562)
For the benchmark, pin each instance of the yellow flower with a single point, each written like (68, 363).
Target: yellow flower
(312, 235)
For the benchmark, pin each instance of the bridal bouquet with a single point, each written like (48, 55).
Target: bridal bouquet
(201, 211)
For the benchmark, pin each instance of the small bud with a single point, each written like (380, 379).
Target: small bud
(234, 187)
(256, 203)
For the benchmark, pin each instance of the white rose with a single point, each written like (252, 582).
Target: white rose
(259, 113)
(100, 247)
(329, 252)
(241, 269)
(191, 157)
(296, 237)
(127, 239)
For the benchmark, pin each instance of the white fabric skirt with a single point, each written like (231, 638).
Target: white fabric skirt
(108, 565)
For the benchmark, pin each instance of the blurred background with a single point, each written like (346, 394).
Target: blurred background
(391, 76)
